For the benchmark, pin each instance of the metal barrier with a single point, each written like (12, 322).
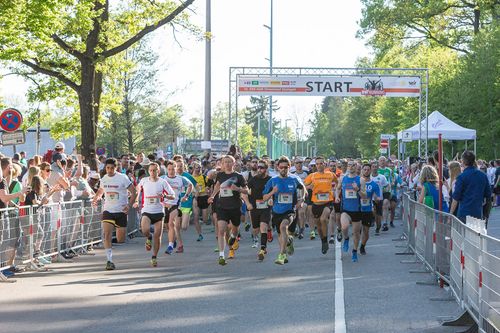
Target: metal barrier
(34, 235)
(460, 255)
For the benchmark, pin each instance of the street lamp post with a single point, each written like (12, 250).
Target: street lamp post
(270, 127)
(286, 138)
(207, 133)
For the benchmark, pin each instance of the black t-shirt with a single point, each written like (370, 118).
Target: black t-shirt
(3, 186)
(30, 198)
(256, 185)
(228, 199)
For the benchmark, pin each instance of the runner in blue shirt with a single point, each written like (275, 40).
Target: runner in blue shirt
(281, 190)
(369, 194)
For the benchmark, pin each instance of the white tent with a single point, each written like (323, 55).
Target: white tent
(439, 124)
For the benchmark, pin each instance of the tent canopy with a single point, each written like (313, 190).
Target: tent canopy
(439, 124)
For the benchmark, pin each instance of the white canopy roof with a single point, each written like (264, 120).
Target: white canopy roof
(439, 124)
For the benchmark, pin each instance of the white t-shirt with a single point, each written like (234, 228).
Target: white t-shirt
(115, 192)
(177, 185)
(152, 194)
(381, 182)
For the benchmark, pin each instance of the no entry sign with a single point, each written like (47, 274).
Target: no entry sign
(10, 120)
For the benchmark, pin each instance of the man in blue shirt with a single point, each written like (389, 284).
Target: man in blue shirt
(471, 188)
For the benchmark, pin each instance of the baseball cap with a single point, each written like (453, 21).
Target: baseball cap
(59, 145)
(313, 162)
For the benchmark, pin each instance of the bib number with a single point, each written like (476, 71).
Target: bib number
(285, 198)
(351, 194)
(323, 196)
(365, 202)
(225, 193)
(261, 204)
(153, 200)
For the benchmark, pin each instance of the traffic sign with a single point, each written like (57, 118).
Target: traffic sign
(387, 136)
(10, 120)
(100, 151)
(384, 143)
(407, 136)
(383, 150)
(14, 138)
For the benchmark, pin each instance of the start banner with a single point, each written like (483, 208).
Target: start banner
(345, 86)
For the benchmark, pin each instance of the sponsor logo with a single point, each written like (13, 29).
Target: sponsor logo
(412, 83)
(373, 88)
(275, 83)
(255, 83)
(437, 124)
(285, 83)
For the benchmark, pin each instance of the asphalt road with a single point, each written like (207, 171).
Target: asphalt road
(190, 292)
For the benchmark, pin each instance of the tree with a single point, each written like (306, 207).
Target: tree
(74, 44)
(219, 121)
(260, 106)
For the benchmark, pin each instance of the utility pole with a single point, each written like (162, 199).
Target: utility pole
(207, 133)
(270, 127)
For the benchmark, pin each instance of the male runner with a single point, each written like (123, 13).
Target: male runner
(114, 186)
(372, 194)
(186, 206)
(260, 211)
(386, 190)
(153, 190)
(381, 182)
(229, 187)
(282, 191)
(398, 182)
(301, 216)
(322, 196)
(350, 186)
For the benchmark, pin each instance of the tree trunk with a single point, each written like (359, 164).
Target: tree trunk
(477, 16)
(128, 122)
(88, 108)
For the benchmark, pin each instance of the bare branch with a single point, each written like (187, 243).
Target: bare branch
(59, 41)
(52, 73)
(175, 36)
(150, 28)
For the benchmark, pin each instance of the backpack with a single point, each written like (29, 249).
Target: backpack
(428, 199)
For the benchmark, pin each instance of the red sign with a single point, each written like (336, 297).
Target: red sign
(384, 143)
(11, 120)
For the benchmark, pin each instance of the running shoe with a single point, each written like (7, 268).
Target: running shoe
(312, 235)
(154, 262)
(222, 261)
(216, 249)
(200, 238)
(377, 232)
(362, 249)
(148, 244)
(180, 249)
(289, 246)
(301, 235)
(269, 235)
(280, 260)
(324, 247)
(339, 235)
(247, 227)
(255, 243)
(332, 240)
(385, 227)
(261, 255)
(236, 245)
(345, 246)
(392, 224)
(110, 266)
(285, 258)
(231, 254)
(169, 250)
(354, 256)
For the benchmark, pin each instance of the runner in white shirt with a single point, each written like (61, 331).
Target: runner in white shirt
(177, 183)
(153, 190)
(114, 186)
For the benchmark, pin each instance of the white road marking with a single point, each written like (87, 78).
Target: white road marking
(340, 326)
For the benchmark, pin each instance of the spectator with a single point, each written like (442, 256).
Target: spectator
(22, 159)
(455, 171)
(430, 187)
(471, 188)
(32, 172)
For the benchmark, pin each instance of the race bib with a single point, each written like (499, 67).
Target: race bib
(261, 204)
(113, 197)
(351, 194)
(365, 202)
(285, 198)
(153, 200)
(323, 196)
(225, 193)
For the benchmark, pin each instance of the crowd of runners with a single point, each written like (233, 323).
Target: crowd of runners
(288, 199)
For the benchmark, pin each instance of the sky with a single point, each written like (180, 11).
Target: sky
(314, 33)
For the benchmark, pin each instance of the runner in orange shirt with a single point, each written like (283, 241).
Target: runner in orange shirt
(322, 196)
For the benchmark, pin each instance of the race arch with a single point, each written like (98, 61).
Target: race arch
(338, 82)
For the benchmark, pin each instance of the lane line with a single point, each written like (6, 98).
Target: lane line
(340, 326)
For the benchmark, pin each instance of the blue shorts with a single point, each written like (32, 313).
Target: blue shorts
(243, 208)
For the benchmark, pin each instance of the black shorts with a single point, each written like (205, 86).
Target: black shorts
(378, 207)
(158, 217)
(336, 207)
(317, 210)
(202, 202)
(278, 218)
(260, 216)
(355, 216)
(229, 215)
(308, 198)
(170, 210)
(387, 195)
(367, 218)
(119, 220)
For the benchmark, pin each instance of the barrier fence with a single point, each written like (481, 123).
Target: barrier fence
(35, 235)
(460, 255)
